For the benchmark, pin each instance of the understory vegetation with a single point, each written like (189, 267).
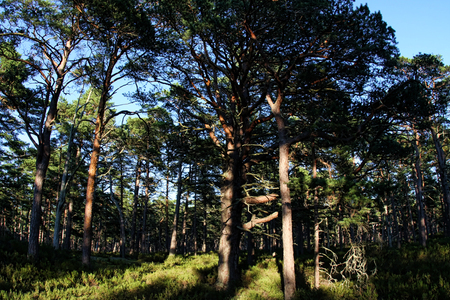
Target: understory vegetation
(412, 272)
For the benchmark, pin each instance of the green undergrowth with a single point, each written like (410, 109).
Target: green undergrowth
(411, 272)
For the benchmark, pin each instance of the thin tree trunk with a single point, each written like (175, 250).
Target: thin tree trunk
(65, 179)
(419, 192)
(316, 225)
(167, 215)
(443, 178)
(205, 228)
(68, 229)
(395, 220)
(134, 246)
(144, 217)
(250, 249)
(121, 219)
(194, 225)
(183, 230)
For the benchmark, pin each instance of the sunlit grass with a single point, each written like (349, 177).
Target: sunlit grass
(409, 273)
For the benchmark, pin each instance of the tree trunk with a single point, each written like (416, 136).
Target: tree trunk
(133, 246)
(90, 189)
(316, 225)
(205, 227)
(419, 193)
(183, 230)
(443, 178)
(43, 155)
(167, 215)
(287, 236)
(144, 217)
(42, 162)
(68, 230)
(63, 191)
(194, 225)
(173, 240)
(228, 271)
(250, 249)
(395, 221)
(121, 219)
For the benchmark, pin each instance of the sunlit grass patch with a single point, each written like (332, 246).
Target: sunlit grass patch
(262, 281)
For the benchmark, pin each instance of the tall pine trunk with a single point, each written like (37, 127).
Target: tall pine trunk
(173, 240)
(228, 271)
(99, 125)
(43, 158)
(283, 168)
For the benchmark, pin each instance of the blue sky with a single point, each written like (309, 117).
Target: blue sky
(420, 25)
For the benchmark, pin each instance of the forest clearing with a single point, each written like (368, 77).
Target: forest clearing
(230, 149)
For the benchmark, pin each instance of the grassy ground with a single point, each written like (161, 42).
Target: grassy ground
(409, 273)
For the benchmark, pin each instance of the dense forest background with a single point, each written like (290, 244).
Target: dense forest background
(284, 127)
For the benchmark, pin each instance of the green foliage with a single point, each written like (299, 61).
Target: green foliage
(409, 273)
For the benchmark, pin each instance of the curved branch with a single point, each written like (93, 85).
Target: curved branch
(249, 225)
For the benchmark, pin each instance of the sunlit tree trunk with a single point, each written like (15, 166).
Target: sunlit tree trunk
(316, 225)
(173, 240)
(228, 271)
(183, 230)
(95, 155)
(287, 236)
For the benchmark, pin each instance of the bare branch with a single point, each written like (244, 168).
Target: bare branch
(249, 225)
(260, 199)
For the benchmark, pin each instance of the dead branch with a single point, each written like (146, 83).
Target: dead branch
(249, 225)
(259, 199)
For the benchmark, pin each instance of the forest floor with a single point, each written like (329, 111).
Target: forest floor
(361, 272)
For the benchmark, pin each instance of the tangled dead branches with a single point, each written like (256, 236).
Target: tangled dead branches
(353, 266)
